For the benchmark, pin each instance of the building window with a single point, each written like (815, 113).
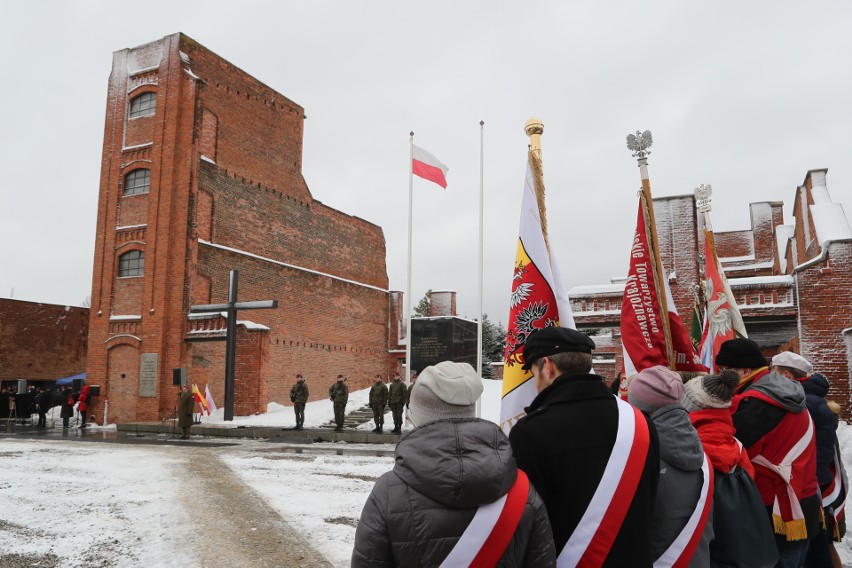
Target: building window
(143, 105)
(131, 264)
(137, 181)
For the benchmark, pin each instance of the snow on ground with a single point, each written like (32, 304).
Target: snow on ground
(91, 504)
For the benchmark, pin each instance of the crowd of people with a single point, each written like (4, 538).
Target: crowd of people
(38, 400)
(736, 469)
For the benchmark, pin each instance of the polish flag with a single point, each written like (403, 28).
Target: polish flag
(427, 166)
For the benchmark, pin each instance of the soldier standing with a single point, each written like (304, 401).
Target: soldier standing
(397, 394)
(378, 400)
(186, 404)
(299, 396)
(339, 395)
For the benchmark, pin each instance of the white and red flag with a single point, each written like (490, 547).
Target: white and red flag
(425, 165)
(539, 299)
(211, 406)
(648, 336)
(722, 319)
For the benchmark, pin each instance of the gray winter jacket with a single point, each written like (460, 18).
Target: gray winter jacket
(444, 470)
(681, 479)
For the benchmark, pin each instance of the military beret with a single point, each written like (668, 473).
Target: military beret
(552, 340)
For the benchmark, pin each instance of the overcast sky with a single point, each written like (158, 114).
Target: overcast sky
(746, 96)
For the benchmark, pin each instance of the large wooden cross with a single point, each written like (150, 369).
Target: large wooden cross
(231, 334)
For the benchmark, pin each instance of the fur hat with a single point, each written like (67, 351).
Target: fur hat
(710, 391)
(740, 353)
(445, 390)
(654, 388)
(793, 361)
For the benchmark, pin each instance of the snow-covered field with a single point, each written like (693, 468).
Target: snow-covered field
(65, 502)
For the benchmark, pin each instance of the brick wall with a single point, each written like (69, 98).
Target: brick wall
(42, 341)
(825, 310)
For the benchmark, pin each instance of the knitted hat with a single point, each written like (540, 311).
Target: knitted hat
(445, 390)
(654, 388)
(740, 353)
(710, 391)
(792, 360)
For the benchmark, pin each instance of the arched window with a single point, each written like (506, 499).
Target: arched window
(137, 181)
(143, 105)
(131, 264)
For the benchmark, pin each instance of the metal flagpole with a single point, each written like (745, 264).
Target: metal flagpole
(481, 239)
(408, 289)
(481, 195)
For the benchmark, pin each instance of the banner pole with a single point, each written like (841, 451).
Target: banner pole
(408, 288)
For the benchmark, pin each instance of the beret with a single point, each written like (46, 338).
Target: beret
(552, 340)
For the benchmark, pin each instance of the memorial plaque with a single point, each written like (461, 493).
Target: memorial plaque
(442, 339)
(148, 374)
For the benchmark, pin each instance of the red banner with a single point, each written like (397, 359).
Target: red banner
(643, 334)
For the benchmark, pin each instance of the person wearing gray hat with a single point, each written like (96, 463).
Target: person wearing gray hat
(451, 471)
(566, 442)
(771, 420)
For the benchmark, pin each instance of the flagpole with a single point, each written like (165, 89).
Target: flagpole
(408, 288)
(642, 144)
(481, 198)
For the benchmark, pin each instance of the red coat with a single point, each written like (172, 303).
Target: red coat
(83, 400)
(716, 430)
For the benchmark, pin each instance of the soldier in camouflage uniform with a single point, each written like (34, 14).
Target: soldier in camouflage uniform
(299, 396)
(339, 395)
(397, 394)
(378, 400)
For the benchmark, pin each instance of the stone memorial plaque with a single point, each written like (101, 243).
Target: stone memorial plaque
(148, 375)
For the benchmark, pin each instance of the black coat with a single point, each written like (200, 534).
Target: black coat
(816, 387)
(564, 444)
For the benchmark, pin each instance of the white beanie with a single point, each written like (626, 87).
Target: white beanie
(445, 390)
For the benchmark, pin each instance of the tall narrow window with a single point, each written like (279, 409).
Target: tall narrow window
(131, 264)
(137, 181)
(143, 105)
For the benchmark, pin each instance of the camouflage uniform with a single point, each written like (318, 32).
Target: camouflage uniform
(378, 400)
(299, 396)
(339, 394)
(397, 393)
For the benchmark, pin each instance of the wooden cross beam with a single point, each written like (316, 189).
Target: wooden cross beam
(231, 309)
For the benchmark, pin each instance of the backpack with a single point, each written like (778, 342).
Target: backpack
(743, 535)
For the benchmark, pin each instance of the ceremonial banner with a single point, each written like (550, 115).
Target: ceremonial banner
(200, 400)
(643, 334)
(211, 406)
(722, 319)
(685, 355)
(538, 300)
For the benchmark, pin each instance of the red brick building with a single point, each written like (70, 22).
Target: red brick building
(793, 283)
(41, 342)
(201, 174)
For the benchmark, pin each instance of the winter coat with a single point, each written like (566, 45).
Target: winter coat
(45, 401)
(299, 392)
(444, 470)
(83, 400)
(67, 405)
(397, 392)
(378, 395)
(339, 393)
(816, 388)
(681, 481)
(716, 430)
(186, 405)
(770, 417)
(564, 443)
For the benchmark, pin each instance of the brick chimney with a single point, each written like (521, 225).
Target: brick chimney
(443, 303)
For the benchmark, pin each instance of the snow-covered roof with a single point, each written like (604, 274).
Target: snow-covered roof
(783, 233)
(783, 280)
(125, 318)
(829, 218)
(596, 289)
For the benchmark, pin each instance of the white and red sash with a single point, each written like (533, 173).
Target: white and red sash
(486, 537)
(591, 541)
(784, 470)
(683, 547)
